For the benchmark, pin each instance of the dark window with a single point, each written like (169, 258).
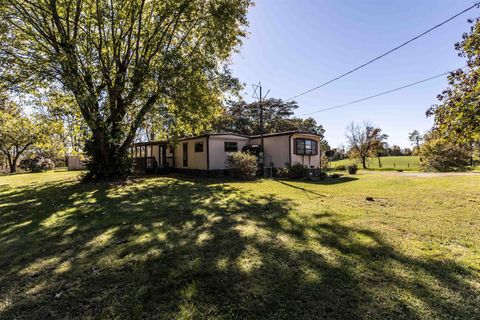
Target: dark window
(185, 154)
(306, 147)
(231, 146)
(199, 147)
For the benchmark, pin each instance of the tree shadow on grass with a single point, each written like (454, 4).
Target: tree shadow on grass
(171, 248)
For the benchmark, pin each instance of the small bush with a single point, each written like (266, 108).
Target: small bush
(37, 164)
(297, 171)
(242, 165)
(352, 168)
(341, 167)
(317, 174)
(281, 172)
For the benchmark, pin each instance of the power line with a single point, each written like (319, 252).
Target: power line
(384, 54)
(377, 95)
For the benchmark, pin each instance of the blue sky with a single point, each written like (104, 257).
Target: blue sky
(294, 45)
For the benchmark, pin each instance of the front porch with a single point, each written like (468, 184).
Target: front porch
(152, 157)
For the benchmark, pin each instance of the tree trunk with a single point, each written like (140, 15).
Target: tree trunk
(13, 166)
(364, 162)
(108, 161)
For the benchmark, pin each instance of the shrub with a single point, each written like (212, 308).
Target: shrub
(37, 164)
(317, 174)
(340, 167)
(352, 168)
(438, 154)
(242, 165)
(281, 172)
(297, 171)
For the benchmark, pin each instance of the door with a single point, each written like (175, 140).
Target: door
(185, 154)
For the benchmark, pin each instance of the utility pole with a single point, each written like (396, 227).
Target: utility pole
(260, 97)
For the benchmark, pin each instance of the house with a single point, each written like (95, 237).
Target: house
(208, 152)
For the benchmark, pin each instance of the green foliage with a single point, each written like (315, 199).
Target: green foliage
(281, 172)
(457, 116)
(36, 164)
(243, 118)
(439, 154)
(297, 171)
(124, 60)
(416, 139)
(17, 134)
(352, 168)
(59, 109)
(242, 165)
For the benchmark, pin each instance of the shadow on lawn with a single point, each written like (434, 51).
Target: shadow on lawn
(169, 248)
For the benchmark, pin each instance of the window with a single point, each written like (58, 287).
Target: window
(306, 147)
(185, 154)
(231, 146)
(199, 147)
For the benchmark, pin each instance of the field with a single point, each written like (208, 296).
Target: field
(405, 163)
(181, 248)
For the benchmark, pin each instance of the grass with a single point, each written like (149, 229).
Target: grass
(179, 248)
(405, 163)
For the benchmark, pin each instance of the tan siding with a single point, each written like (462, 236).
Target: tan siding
(276, 150)
(218, 156)
(196, 160)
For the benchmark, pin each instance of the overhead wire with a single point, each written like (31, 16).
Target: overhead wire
(378, 94)
(477, 4)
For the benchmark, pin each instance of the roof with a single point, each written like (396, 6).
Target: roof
(141, 144)
(284, 133)
(215, 134)
(148, 143)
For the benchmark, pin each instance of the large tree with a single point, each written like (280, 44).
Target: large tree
(364, 141)
(457, 116)
(244, 118)
(123, 58)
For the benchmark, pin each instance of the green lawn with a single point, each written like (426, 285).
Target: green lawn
(406, 163)
(177, 248)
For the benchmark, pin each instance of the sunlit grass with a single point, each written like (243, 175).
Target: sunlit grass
(181, 248)
(406, 163)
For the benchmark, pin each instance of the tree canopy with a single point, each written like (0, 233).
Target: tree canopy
(244, 118)
(59, 109)
(122, 59)
(18, 133)
(457, 116)
(440, 154)
(364, 141)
